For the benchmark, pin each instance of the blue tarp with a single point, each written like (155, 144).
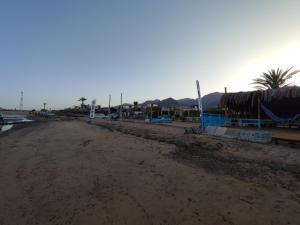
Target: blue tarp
(220, 120)
(159, 120)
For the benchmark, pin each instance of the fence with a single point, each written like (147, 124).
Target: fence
(220, 120)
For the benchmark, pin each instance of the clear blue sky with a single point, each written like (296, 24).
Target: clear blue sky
(57, 51)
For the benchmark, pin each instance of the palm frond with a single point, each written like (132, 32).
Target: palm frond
(274, 78)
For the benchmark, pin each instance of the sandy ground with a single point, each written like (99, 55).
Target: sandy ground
(72, 172)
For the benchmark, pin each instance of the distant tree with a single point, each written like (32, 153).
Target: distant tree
(274, 79)
(44, 103)
(82, 99)
(135, 105)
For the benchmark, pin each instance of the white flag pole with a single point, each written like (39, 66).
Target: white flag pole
(200, 104)
(93, 107)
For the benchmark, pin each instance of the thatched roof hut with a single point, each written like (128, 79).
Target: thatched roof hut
(282, 101)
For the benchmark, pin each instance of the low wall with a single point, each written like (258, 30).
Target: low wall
(258, 136)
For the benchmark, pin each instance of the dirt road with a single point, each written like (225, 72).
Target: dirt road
(124, 173)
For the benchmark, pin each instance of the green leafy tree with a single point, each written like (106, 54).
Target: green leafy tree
(274, 79)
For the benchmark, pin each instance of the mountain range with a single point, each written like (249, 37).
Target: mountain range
(211, 100)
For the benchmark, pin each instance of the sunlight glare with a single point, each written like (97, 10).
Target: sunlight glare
(284, 57)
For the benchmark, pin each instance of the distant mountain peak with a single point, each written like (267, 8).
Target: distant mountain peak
(211, 100)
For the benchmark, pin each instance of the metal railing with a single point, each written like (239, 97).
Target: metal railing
(220, 120)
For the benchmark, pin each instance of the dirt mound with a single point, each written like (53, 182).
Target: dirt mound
(210, 154)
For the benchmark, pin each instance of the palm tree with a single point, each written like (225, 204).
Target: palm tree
(82, 99)
(274, 79)
(44, 103)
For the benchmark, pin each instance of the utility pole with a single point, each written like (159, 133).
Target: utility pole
(21, 101)
(258, 112)
(109, 98)
(121, 107)
(151, 112)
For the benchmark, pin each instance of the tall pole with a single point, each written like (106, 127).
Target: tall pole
(121, 107)
(258, 111)
(21, 101)
(151, 112)
(200, 104)
(225, 106)
(109, 98)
